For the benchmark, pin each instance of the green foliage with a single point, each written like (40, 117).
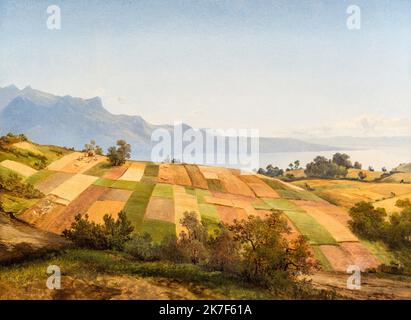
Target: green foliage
(266, 257)
(14, 185)
(137, 204)
(118, 155)
(142, 247)
(342, 159)
(321, 167)
(272, 171)
(367, 221)
(112, 235)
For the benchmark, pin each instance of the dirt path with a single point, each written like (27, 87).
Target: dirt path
(18, 239)
(108, 287)
(373, 286)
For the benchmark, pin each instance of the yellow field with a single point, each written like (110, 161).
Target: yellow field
(73, 187)
(135, 172)
(399, 177)
(100, 208)
(389, 204)
(346, 193)
(339, 231)
(371, 175)
(18, 167)
(183, 202)
(59, 164)
(28, 147)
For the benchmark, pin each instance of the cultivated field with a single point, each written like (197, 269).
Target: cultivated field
(156, 196)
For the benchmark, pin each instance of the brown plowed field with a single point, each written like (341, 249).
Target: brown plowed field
(196, 177)
(116, 172)
(53, 181)
(160, 209)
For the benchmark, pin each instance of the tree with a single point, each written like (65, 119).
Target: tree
(321, 167)
(297, 164)
(192, 242)
(399, 229)
(367, 221)
(266, 256)
(357, 165)
(118, 156)
(92, 149)
(111, 235)
(362, 175)
(384, 169)
(370, 168)
(342, 159)
(142, 247)
(274, 171)
(224, 252)
(291, 166)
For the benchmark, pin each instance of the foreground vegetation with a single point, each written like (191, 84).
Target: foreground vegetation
(252, 251)
(372, 224)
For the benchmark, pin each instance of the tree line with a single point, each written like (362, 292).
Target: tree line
(254, 250)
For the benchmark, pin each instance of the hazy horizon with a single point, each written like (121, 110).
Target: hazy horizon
(284, 67)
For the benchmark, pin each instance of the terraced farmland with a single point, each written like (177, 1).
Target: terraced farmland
(155, 197)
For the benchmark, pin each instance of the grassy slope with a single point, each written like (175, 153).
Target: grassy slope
(82, 264)
(137, 204)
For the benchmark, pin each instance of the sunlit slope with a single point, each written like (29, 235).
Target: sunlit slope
(155, 197)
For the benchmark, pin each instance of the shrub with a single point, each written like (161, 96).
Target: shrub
(112, 235)
(143, 248)
(117, 156)
(367, 221)
(321, 167)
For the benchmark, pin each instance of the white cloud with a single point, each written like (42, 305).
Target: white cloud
(361, 126)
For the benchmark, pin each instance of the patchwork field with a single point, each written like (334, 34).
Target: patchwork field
(18, 168)
(344, 193)
(156, 196)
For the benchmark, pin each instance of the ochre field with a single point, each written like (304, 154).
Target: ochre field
(155, 197)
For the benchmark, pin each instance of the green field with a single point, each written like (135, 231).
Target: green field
(322, 259)
(104, 182)
(276, 185)
(15, 205)
(136, 205)
(99, 169)
(158, 229)
(281, 204)
(298, 195)
(39, 176)
(163, 190)
(310, 228)
(123, 184)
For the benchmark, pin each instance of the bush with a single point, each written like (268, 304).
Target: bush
(143, 248)
(321, 167)
(112, 235)
(117, 156)
(367, 221)
(15, 186)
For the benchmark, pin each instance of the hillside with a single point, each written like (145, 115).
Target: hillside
(69, 121)
(155, 196)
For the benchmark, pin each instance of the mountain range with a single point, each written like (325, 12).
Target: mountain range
(71, 122)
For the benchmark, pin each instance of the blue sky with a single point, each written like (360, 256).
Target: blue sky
(287, 68)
